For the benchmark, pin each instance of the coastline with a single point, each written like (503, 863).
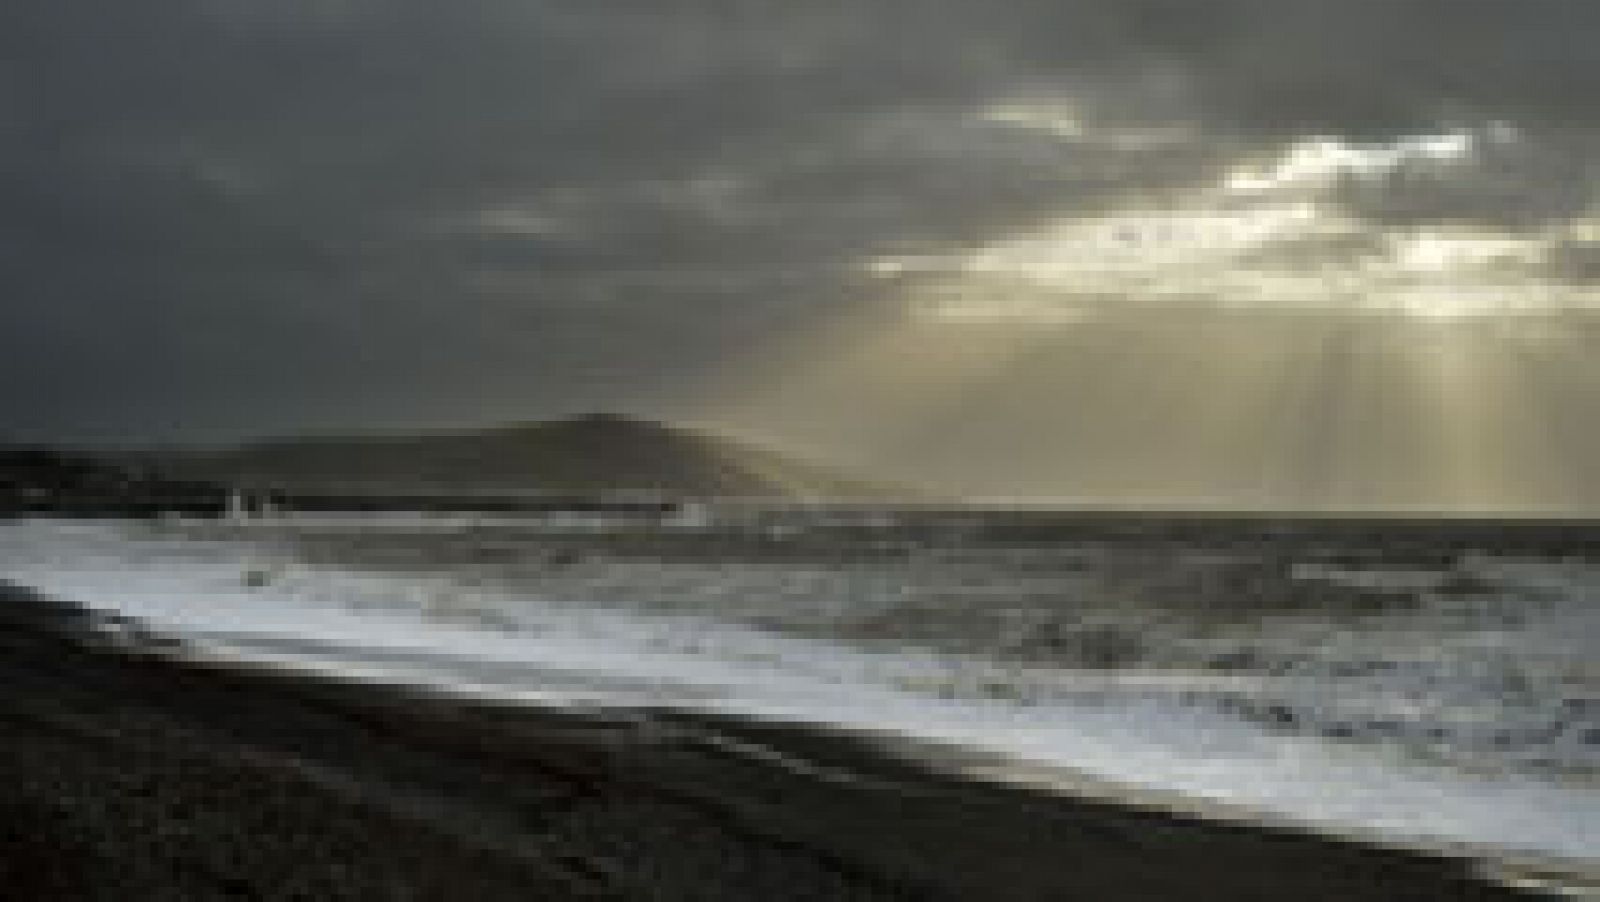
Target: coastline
(126, 768)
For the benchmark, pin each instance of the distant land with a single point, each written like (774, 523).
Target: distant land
(585, 455)
(40, 479)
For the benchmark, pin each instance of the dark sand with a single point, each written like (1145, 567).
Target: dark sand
(126, 775)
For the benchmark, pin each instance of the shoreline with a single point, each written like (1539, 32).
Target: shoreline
(119, 754)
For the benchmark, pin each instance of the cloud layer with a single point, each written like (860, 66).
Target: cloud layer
(220, 216)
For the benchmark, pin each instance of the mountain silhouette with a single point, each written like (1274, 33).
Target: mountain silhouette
(597, 453)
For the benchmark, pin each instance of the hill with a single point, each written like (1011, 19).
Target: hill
(594, 454)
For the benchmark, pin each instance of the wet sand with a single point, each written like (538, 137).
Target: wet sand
(126, 773)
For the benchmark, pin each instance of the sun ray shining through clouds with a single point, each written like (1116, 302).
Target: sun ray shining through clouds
(1262, 253)
(1251, 337)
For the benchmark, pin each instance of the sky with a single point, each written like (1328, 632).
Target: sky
(1279, 253)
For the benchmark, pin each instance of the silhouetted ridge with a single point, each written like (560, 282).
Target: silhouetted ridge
(595, 453)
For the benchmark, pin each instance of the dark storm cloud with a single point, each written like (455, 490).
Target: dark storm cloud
(222, 214)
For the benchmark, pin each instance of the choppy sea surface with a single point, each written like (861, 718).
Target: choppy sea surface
(1449, 700)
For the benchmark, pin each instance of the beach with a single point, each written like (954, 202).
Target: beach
(129, 772)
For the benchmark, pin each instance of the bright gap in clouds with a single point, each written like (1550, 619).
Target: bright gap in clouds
(1317, 159)
(1269, 234)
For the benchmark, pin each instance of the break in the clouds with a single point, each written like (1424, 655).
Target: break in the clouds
(223, 216)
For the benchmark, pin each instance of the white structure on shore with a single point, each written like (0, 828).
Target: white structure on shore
(244, 504)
